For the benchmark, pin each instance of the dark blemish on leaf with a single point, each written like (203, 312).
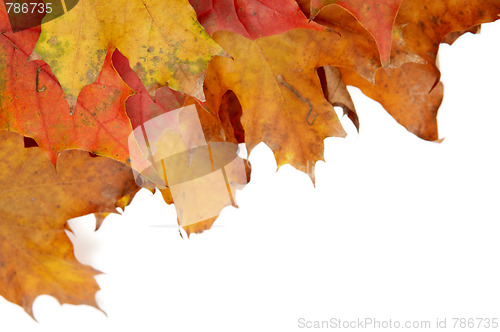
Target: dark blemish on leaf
(52, 40)
(151, 49)
(101, 55)
(71, 103)
(38, 70)
(91, 75)
(282, 81)
(139, 70)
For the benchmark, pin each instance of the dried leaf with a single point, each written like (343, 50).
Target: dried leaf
(275, 80)
(251, 18)
(32, 103)
(163, 40)
(412, 93)
(36, 256)
(424, 23)
(377, 16)
(407, 93)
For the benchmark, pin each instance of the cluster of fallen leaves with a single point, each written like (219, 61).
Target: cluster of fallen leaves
(74, 89)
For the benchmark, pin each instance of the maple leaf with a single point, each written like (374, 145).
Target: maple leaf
(411, 93)
(274, 78)
(251, 18)
(32, 102)
(408, 93)
(419, 29)
(36, 256)
(359, 42)
(275, 17)
(424, 23)
(162, 39)
(377, 16)
(280, 93)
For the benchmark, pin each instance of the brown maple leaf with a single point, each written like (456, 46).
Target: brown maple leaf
(36, 256)
(409, 88)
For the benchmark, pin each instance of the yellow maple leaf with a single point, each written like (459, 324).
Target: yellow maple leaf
(276, 82)
(162, 39)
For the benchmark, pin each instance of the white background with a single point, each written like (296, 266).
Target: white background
(397, 228)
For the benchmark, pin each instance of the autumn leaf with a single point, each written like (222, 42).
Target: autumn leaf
(377, 16)
(162, 39)
(36, 256)
(424, 24)
(251, 18)
(274, 78)
(409, 88)
(358, 43)
(32, 103)
(408, 94)
(411, 93)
